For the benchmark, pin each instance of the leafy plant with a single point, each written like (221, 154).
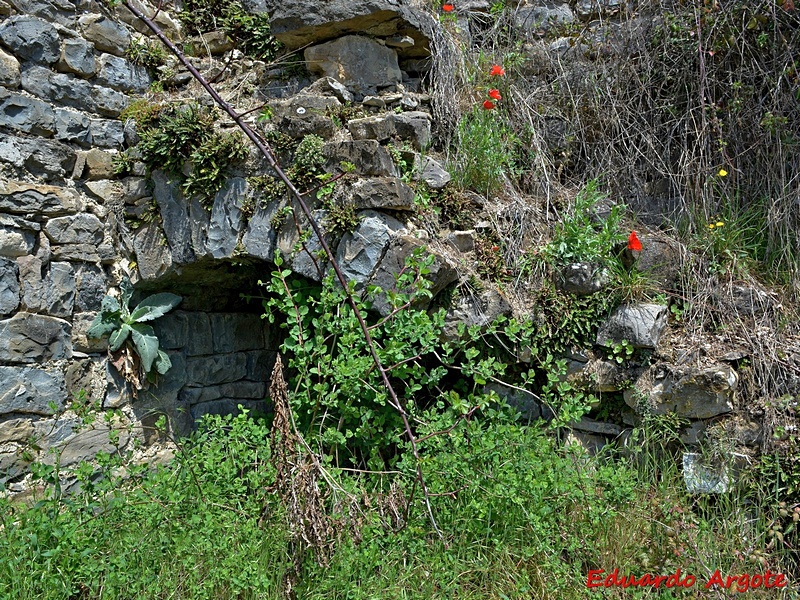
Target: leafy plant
(147, 53)
(129, 327)
(174, 136)
(582, 236)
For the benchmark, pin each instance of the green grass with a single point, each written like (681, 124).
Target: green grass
(522, 516)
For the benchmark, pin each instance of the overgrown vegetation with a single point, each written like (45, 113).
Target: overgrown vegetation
(181, 139)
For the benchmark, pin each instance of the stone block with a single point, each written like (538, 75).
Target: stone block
(216, 369)
(260, 364)
(106, 133)
(17, 197)
(31, 39)
(30, 390)
(253, 390)
(201, 340)
(235, 332)
(384, 192)
(122, 75)
(414, 126)
(360, 63)
(108, 102)
(15, 240)
(525, 402)
(77, 57)
(9, 71)
(110, 192)
(26, 114)
(42, 158)
(9, 286)
(27, 338)
(48, 289)
(72, 126)
(369, 157)
(99, 165)
(174, 210)
(359, 252)
(379, 128)
(640, 324)
(541, 17)
(153, 259)
(227, 217)
(107, 35)
(91, 286)
(82, 228)
(172, 330)
(80, 341)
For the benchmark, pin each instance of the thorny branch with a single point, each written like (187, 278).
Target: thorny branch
(267, 152)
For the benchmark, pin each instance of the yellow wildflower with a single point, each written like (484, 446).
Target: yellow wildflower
(722, 172)
(720, 223)
(711, 226)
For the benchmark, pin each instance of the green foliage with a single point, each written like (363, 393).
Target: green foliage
(187, 531)
(147, 53)
(342, 217)
(172, 137)
(581, 236)
(250, 32)
(306, 169)
(483, 154)
(124, 325)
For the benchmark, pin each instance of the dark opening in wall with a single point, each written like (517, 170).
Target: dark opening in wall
(222, 351)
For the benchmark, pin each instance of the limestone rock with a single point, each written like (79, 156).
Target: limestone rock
(31, 390)
(106, 133)
(68, 90)
(368, 156)
(296, 26)
(48, 290)
(327, 86)
(83, 228)
(82, 342)
(122, 75)
(233, 332)
(640, 324)
(304, 114)
(17, 236)
(463, 241)
(361, 64)
(43, 158)
(603, 376)
(153, 259)
(174, 210)
(216, 369)
(31, 38)
(26, 337)
(99, 165)
(91, 286)
(596, 9)
(107, 35)
(379, 127)
(226, 217)
(592, 426)
(442, 273)
(48, 200)
(86, 445)
(15, 430)
(26, 114)
(690, 392)
(703, 478)
(583, 278)
(260, 238)
(216, 42)
(72, 126)
(382, 192)
(431, 172)
(9, 71)
(360, 251)
(169, 25)
(540, 18)
(660, 258)
(77, 57)
(414, 126)
(9, 286)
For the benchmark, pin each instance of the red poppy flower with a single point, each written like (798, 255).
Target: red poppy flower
(495, 94)
(497, 71)
(488, 105)
(495, 248)
(447, 7)
(634, 243)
